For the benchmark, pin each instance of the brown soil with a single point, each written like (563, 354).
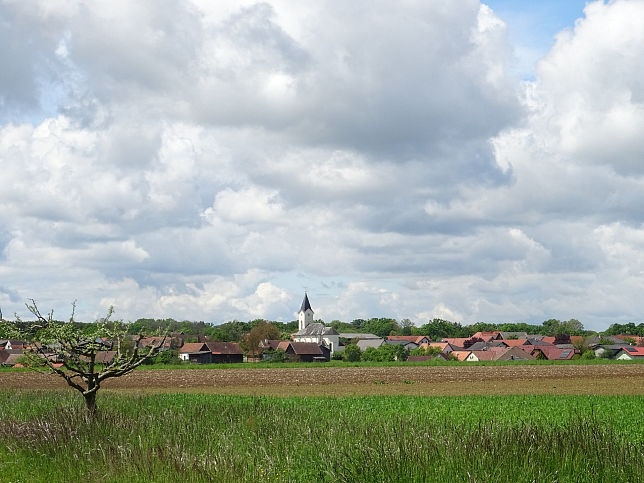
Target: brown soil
(348, 381)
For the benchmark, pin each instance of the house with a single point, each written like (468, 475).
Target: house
(358, 336)
(211, 352)
(630, 353)
(12, 344)
(610, 349)
(155, 341)
(8, 356)
(315, 332)
(445, 347)
(552, 353)
(487, 336)
(419, 358)
(476, 356)
(405, 343)
(416, 339)
(270, 344)
(456, 341)
(639, 341)
(225, 352)
(101, 357)
(460, 355)
(364, 344)
(195, 352)
(515, 354)
(305, 351)
(512, 335)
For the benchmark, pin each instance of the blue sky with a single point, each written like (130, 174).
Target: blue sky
(532, 26)
(210, 160)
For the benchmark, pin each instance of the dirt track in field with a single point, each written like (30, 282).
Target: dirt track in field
(348, 381)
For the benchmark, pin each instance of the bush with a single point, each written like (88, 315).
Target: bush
(167, 357)
(588, 355)
(279, 356)
(352, 353)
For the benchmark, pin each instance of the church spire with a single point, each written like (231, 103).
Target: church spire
(305, 315)
(306, 305)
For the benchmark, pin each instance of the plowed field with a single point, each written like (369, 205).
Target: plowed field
(347, 381)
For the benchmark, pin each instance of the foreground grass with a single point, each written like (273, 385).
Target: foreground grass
(45, 436)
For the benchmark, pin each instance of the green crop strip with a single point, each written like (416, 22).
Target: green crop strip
(45, 436)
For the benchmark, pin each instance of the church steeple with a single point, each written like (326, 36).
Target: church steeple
(305, 316)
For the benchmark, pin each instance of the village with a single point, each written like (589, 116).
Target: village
(316, 342)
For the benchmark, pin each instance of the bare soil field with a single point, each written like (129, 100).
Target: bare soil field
(353, 381)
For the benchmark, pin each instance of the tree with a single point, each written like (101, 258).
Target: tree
(382, 327)
(262, 331)
(470, 342)
(581, 345)
(79, 349)
(562, 339)
(401, 353)
(406, 327)
(351, 353)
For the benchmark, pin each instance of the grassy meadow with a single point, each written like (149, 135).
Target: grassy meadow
(45, 436)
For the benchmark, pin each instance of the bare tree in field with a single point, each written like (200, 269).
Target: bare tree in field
(80, 350)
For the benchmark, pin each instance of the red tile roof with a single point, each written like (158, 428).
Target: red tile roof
(487, 336)
(193, 347)
(515, 342)
(440, 345)
(461, 355)
(485, 355)
(638, 340)
(284, 345)
(457, 341)
(634, 351)
(553, 353)
(418, 358)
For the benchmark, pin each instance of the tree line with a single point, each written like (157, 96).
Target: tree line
(436, 329)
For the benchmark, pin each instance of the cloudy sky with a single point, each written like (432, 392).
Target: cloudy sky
(210, 160)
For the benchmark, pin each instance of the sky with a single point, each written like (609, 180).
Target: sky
(417, 159)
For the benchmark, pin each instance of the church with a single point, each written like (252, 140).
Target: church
(315, 332)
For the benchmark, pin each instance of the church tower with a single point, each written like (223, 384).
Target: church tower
(305, 316)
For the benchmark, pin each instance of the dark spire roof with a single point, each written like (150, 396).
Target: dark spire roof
(306, 305)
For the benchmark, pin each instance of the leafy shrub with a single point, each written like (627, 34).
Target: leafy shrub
(352, 353)
(167, 357)
(589, 354)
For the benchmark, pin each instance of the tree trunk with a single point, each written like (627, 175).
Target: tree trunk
(90, 403)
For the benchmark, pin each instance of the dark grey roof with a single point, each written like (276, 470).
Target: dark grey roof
(595, 339)
(316, 329)
(408, 344)
(306, 305)
(538, 342)
(518, 335)
(479, 346)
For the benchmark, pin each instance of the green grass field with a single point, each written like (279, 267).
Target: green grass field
(45, 436)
